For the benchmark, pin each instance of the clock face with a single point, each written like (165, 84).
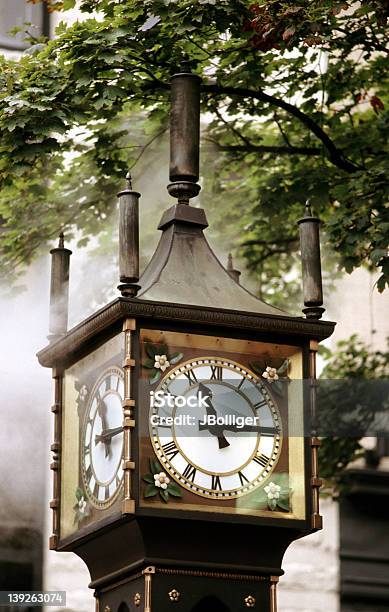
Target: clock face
(222, 438)
(102, 439)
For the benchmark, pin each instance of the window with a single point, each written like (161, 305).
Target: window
(16, 13)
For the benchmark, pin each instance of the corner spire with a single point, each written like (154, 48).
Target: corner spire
(235, 274)
(311, 264)
(59, 289)
(128, 239)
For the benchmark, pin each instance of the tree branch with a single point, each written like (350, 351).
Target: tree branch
(335, 155)
(275, 150)
(231, 126)
(283, 134)
(268, 242)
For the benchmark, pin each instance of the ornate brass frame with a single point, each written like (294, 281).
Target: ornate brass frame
(55, 465)
(317, 519)
(129, 327)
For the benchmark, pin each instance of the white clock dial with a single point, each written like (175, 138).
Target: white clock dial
(102, 439)
(219, 461)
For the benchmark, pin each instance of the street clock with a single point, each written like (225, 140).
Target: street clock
(183, 458)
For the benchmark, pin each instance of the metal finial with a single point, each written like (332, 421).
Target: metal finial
(235, 274)
(129, 181)
(61, 241)
(308, 209)
(185, 64)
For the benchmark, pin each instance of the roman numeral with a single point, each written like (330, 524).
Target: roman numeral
(88, 473)
(170, 449)
(189, 472)
(117, 481)
(216, 372)
(241, 382)
(107, 383)
(242, 478)
(96, 490)
(216, 484)
(260, 404)
(106, 492)
(191, 376)
(262, 460)
(117, 383)
(269, 431)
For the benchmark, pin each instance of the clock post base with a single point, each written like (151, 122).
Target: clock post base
(167, 589)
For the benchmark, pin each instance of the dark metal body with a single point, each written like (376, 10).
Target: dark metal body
(59, 290)
(166, 588)
(175, 542)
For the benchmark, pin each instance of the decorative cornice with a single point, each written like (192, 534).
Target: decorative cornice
(68, 346)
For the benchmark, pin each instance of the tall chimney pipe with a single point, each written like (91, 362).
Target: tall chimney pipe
(311, 264)
(59, 290)
(184, 135)
(128, 239)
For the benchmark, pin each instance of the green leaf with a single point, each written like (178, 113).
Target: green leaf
(256, 367)
(283, 502)
(150, 491)
(155, 378)
(174, 489)
(148, 478)
(151, 350)
(175, 358)
(162, 349)
(149, 363)
(272, 503)
(155, 466)
(164, 494)
(79, 493)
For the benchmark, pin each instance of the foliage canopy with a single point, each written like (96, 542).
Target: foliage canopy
(296, 99)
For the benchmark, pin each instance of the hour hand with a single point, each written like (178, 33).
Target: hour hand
(215, 430)
(102, 411)
(107, 434)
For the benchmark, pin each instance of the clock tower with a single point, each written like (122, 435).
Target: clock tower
(184, 457)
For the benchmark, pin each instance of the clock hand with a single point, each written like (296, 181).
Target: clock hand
(102, 411)
(263, 431)
(215, 430)
(107, 434)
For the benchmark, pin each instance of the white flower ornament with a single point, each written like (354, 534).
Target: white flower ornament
(161, 362)
(270, 374)
(82, 505)
(83, 393)
(273, 491)
(161, 480)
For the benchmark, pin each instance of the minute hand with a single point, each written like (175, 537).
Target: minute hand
(263, 431)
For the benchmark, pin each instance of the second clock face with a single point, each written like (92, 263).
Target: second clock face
(102, 439)
(223, 439)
